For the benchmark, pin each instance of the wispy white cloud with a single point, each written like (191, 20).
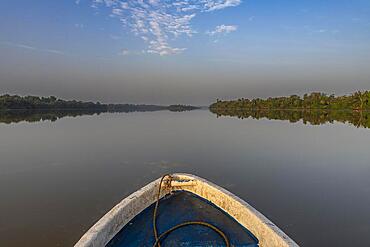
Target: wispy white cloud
(28, 47)
(115, 37)
(78, 25)
(52, 51)
(157, 22)
(124, 52)
(221, 4)
(223, 29)
(310, 30)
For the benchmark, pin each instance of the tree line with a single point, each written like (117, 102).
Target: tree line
(34, 102)
(16, 102)
(314, 108)
(358, 101)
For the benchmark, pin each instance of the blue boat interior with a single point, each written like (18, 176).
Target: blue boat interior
(179, 207)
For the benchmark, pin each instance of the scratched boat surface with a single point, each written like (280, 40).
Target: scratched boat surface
(184, 197)
(183, 206)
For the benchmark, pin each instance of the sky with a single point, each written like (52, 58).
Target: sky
(183, 51)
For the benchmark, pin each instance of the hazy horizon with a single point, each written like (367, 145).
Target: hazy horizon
(188, 52)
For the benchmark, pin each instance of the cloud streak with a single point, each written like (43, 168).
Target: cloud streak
(32, 48)
(156, 22)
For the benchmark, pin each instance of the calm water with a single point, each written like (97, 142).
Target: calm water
(58, 178)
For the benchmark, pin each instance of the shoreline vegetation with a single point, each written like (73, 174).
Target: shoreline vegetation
(314, 108)
(14, 108)
(15, 102)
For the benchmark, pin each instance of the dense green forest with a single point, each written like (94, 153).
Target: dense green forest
(315, 108)
(34, 102)
(356, 101)
(15, 102)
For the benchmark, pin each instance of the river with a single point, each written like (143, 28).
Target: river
(59, 177)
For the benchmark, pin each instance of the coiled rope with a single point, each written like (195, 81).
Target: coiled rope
(158, 238)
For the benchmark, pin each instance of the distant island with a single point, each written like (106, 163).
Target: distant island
(14, 108)
(15, 102)
(314, 108)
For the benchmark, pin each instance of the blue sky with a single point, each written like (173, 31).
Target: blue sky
(191, 51)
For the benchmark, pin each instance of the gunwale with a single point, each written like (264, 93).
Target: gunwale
(113, 221)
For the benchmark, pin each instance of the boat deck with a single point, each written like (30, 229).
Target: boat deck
(179, 207)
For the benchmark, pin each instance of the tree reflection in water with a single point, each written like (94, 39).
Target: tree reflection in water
(313, 117)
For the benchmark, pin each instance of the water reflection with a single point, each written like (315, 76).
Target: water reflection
(360, 119)
(16, 116)
(30, 116)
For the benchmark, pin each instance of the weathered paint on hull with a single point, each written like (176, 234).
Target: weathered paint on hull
(107, 227)
(179, 207)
